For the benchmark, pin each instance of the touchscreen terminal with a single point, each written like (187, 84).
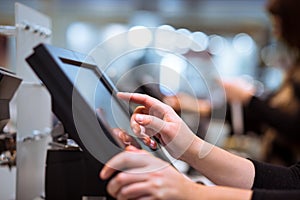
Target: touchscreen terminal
(84, 99)
(100, 94)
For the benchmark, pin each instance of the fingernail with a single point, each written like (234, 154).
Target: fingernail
(153, 144)
(147, 141)
(139, 117)
(130, 148)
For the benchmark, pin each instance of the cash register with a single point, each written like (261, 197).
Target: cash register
(84, 101)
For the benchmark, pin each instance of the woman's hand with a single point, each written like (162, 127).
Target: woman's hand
(144, 176)
(155, 118)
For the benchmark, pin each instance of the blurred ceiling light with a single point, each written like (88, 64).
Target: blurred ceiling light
(139, 36)
(200, 41)
(183, 41)
(272, 77)
(216, 44)
(243, 43)
(167, 27)
(165, 39)
(276, 55)
(80, 37)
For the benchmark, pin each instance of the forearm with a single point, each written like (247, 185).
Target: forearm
(220, 166)
(227, 193)
(217, 193)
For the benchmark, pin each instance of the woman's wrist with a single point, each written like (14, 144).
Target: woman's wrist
(196, 151)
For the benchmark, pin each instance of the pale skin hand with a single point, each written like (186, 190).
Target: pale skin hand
(160, 120)
(221, 167)
(146, 177)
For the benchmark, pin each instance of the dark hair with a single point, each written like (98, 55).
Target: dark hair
(289, 13)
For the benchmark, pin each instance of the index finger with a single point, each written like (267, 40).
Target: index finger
(145, 100)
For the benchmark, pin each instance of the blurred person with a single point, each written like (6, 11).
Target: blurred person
(143, 176)
(277, 117)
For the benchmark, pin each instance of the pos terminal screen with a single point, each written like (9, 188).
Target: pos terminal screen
(99, 95)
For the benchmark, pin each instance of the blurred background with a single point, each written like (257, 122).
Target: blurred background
(235, 32)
